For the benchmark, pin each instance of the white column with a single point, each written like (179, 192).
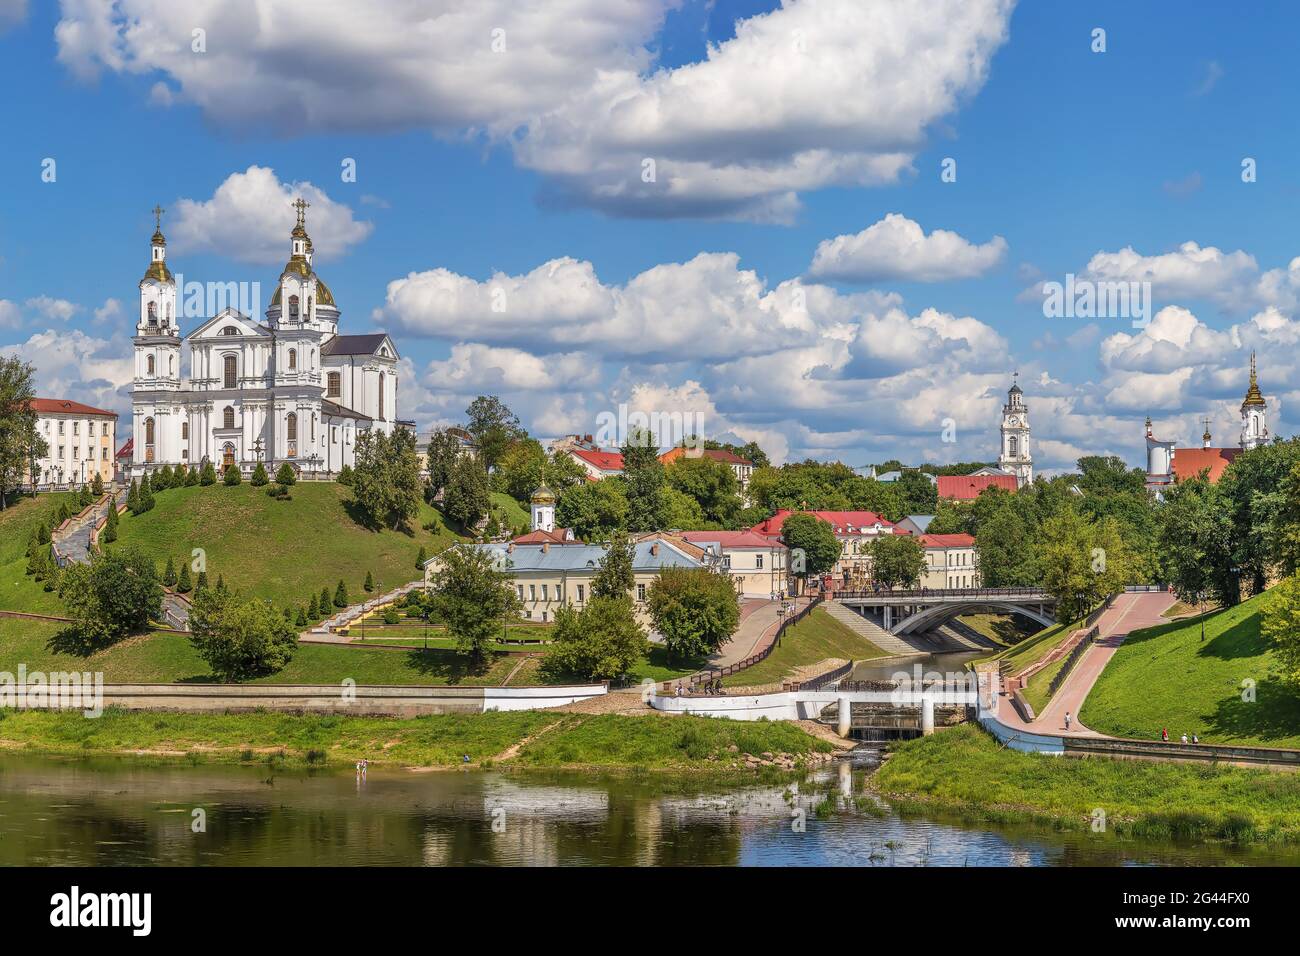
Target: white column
(927, 715)
(845, 717)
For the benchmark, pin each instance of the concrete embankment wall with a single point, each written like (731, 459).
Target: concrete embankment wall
(393, 701)
(1020, 739)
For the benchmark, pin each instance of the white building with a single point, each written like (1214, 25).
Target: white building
(287, 389)
(81, 441)
(757, 565)
(1015, 458)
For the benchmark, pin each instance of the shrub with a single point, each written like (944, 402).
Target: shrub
(370, 582)
(191, 477)
(286, 476)
(391, 616)
(183, 583)
(169, 576)
(259, 476)
(323, 602)
(419, 559)
(345, 475)
(341, 595)
(209, 474)
(109, 533)
(116, 594)
(232, 476)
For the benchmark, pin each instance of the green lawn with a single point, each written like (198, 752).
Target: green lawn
(167, 658)
(607, 741)
(1033, 649)
(963, 769)
(282, 550)
(815, 638)
(509, 511)
(1006, 629)
(655, 666)
(18, 592)
(1165, 676)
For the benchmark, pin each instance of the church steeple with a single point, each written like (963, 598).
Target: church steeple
(158, 251)
(1254, 409)
(1015, 457)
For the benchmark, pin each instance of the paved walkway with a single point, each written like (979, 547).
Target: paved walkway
(1130, 612)
(758, 623)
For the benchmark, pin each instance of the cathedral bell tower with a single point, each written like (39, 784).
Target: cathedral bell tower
(157, 332)
(1015, 458)
(1254, 414)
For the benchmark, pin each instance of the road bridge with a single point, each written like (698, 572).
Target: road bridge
(920, 609)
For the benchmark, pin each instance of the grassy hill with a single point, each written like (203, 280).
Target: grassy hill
(18, 592)
(1033, 649)
(509, 511)
(816, 638)
(1165, 676)
(282, 550)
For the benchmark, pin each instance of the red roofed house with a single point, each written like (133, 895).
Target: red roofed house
(757, 563)
(742, 467)
(597, 464)
(1167, 464)
(855, 531)
(80, 440)
(968, 487)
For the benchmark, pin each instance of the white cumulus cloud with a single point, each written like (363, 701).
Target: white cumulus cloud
(897, 248)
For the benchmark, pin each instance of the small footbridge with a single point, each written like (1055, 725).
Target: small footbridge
(907, 611)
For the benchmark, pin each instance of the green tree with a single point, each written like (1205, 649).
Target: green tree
(259, 477)
(683, 513)
(601, 642)
(1284, 534)
(644, 474)
(616, 575)
(494, 427)
(209, 474)
(240, 638)
(133, 498)
(146, 499)
(313, 612)
(1280, 626)
(183, 583)
(370, 578)
(466, 499)
(323, 602)
(116, 594)
(440, 460)
(97, 486)
(1195, 543)
(346, 476)
(169, 576)
(386, 485)
(896, 560)
(109, 533)
(1006, 552)
(341, 595)
(473, 597)
(593, 510)
(285, 476)
(232, 476)
(191, 477)
(695, 609)
(420, 558)
(201, 582)
(20, 445)
(301, 619)
(814, 549)
(162, 478)
(711, 483)
(524, 465)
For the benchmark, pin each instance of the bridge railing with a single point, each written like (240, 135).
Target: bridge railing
(1035, 594)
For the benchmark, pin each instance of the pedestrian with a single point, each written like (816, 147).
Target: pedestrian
(1067, 721)
(1164, 734)
(1195, 739)
(1184, 738)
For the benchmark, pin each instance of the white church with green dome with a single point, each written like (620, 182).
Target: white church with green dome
(289, 388)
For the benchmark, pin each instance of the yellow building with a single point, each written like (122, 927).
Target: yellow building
(81, 443)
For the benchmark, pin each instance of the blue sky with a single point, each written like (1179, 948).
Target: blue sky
(469, 166)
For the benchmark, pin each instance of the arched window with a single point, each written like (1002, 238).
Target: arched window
(229, 365)
(171, 365)
(1013, 446)
(228, 418)
(148, 431)
(153, 314)
(150, 364)
(333, 385)
(381, 395)
(293, 308)
(291, 427)
(185, 431)
(230, 330)
(293, 358)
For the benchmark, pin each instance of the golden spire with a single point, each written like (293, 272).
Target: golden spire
(1253, 394)
(158, 239)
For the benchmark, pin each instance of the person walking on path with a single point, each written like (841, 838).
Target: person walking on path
(1067, 721)
(1164, 734)
(1184, 738)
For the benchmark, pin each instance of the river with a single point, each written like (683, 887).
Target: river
(122, 811)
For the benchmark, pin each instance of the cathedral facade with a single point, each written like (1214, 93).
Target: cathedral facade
(287, 389)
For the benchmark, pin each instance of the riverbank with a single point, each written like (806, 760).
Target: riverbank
(523, 738)
(963, 771)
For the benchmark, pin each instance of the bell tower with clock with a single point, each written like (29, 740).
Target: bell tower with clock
(1015, 458)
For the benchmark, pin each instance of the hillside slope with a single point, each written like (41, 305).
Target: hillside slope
(1166, 677)
(285, 551)
(18, 592)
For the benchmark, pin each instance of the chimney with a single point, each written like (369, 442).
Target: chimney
(546, 546)
(654, 550)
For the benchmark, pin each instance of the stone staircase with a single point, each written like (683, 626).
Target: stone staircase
(870, 630)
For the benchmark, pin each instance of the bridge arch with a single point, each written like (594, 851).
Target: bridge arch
(938, 613)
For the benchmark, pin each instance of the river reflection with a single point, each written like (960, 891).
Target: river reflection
(117, 812)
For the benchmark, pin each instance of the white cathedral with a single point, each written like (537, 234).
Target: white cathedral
(290, 389)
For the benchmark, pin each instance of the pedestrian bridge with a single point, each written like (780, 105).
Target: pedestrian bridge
(906, 611)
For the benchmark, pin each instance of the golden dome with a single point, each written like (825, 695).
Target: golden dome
(158, 271)
(323, 295)
(543, 496)
(1253, 395)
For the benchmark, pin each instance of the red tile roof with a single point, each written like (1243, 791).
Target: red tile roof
(968, 487)
(1189, 462)
(558, 536)
(62, 406)
(717, 454)
(731, 539)
(841, 521)
(946, 540)
(127, 450)
(603, 460)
